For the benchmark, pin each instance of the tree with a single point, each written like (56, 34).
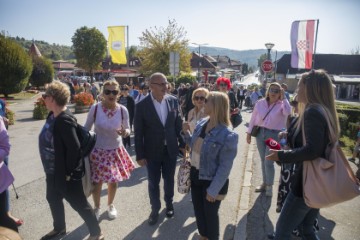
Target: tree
(245, 69)
(42, 73)
(157, 43)
(54, 55)
(132, 52)
(15, 67)
(89, 46)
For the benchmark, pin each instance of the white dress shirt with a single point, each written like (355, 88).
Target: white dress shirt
(161, 108)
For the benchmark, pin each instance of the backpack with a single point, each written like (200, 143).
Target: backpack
(87, 141)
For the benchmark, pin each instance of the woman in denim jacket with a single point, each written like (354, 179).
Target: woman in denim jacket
(213, 149)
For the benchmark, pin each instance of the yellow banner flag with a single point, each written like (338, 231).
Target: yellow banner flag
(116, 44)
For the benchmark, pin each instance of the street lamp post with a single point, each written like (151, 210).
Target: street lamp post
(199, 64)
(268, 46)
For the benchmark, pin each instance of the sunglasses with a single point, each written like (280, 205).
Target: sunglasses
(44, 96)
(274, 90)
(223, 85)
(201, 98)
(113, 92)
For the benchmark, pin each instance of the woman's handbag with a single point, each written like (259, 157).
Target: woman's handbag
(88, 186)
(254, 131)
(329, 181)
(6, 178)
(183, 177)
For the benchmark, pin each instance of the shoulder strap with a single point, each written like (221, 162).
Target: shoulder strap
(95, 112)
(269, 111)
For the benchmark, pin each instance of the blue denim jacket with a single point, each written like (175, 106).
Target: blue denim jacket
(217, 154)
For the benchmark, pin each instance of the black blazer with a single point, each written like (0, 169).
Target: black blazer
(66, 146)
(150, 134)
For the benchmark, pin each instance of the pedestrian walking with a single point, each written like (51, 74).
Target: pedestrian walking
(157, 142)
(59, 149)
(109, 161)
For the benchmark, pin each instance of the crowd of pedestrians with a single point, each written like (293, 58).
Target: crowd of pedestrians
(167, 121)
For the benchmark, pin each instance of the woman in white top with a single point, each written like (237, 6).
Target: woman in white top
(109, 161)
(198, 99)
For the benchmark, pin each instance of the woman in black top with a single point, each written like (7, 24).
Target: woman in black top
(127, 101)
(59, 149)
(315, 94)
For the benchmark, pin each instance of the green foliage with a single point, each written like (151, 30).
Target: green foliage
(343, 119)
(245, 69)
(40, 111)
(15, 67)
(157, 43)
(52, 51)
(89, 46)
(43, 72)
(10, 115)
(132, 52)
(185, 78)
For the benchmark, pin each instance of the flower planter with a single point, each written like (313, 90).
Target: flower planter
(81, 109)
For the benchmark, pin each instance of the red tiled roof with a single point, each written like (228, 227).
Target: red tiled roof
(34, 51)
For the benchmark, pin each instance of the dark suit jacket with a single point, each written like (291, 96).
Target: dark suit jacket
(150, 134)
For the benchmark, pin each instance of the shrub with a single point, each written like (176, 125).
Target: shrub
(40, 111)
(43, 72)
(83, 99)
(10, 115)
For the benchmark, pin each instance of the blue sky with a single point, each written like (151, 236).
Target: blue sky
(235, 24)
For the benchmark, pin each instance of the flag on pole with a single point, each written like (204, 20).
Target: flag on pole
(302, 43)
(116, 43)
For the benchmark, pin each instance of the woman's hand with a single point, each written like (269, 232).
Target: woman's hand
(186, 127)
(273, 156)
(123, 132)
(248, 138)
(282, 94)
(210, 198)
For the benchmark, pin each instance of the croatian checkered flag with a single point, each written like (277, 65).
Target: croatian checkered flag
(302, 43)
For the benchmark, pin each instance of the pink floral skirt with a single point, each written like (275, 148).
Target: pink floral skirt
(110, 165)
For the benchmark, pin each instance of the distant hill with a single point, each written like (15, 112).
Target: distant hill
(57, 52)
(244, 56)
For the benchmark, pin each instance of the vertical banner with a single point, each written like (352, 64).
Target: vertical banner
(302, 43)
(116, 44)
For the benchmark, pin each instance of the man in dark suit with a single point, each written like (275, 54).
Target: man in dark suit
(157, 124)
(241, 95)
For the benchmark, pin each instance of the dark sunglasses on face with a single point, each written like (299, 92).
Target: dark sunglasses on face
(197, 98)
(274, 90)
(113, 92)
(223, 85)
(44, 96)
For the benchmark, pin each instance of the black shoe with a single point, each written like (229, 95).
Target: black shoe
(271, 236)
(170, 212)
(54, 233)
(153, 218)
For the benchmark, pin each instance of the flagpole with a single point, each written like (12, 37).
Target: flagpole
(313, 60)
(127, 52)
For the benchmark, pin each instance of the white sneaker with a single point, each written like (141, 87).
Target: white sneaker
(112, 212)
(268, 191)
(97, 213)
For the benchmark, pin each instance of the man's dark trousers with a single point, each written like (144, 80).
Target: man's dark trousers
(166, 167)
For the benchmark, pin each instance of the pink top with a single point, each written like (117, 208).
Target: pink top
(275, 120)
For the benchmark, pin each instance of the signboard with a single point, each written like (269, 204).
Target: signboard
(267, 66)
(174, 63)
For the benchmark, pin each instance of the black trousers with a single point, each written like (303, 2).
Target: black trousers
(241, 100)
(165, 167)
(126, 141)
(77, 200)
(206, 213)
(5, 220)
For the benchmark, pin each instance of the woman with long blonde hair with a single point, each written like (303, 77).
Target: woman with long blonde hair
(213, 150)
(316, 106)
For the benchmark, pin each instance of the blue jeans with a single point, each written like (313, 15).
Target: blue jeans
(296, 213)
(267, 167)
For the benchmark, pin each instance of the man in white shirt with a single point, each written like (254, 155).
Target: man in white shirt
(144, 92)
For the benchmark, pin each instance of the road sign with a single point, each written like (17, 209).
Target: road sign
(174, 63)
(267, 66)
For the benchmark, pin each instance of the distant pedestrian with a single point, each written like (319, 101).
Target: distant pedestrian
(241, 93)
(127, 101)
(60, 154)
(255, 96)
(157, 125)
(213, 150)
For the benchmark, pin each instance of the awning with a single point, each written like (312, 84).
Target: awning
(346, 79)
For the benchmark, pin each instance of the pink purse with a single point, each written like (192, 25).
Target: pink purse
(6, 178)
(329, 181)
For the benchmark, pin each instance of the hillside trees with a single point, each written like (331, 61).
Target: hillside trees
(89, 46)
(156, 45)
(42, 73)
(15, 67)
